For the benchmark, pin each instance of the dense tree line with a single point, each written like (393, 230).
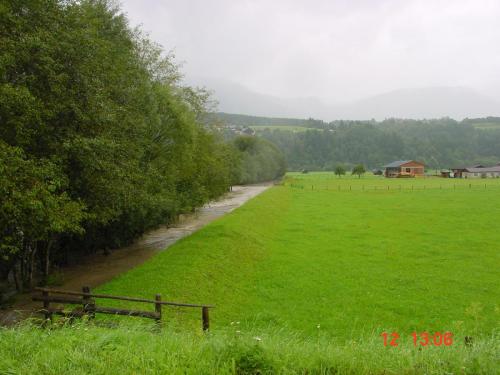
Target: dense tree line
(99, 140)
(246, 120)
(442, 143)
(260, 160)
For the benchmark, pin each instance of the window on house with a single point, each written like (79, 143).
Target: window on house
(408, 170)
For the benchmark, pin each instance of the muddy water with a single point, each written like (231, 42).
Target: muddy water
(98, 269)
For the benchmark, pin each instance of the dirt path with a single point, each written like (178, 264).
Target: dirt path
(98, 269)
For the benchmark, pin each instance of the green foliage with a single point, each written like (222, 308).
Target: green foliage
(358, 170)
(98, 139)
(442, 143)
(260, 160)
(339, 170)
(259, 121)
(34, 208)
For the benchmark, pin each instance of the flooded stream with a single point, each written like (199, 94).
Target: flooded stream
(99, 268)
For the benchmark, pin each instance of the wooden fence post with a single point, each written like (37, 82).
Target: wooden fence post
(205, 318)
(158, 308)
(88, 304)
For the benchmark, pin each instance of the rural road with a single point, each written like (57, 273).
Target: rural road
(99, 268)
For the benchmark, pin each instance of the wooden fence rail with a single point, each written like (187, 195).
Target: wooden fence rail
(89, 307)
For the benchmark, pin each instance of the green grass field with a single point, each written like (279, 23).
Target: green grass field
(291, 128)
(305, 278)
(356, 263)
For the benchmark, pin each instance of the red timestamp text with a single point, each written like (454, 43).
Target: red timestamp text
(420, 339)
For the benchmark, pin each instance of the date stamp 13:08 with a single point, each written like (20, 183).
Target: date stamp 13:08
(420, 339)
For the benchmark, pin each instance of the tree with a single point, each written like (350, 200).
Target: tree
(339, 170)
(359, 170)
(99, 140)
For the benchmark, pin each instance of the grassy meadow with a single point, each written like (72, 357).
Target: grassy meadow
(355, 262)
(307, 276)
(292, 128)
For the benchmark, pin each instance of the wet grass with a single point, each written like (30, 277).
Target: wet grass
(304, 281)
(88, 349)
(357, 263)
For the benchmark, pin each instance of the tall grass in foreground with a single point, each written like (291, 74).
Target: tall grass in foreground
(89, 349)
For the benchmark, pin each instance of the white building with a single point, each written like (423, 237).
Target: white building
(483, 172)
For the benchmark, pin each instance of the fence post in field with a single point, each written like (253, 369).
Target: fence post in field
(88, 304)
(46, 305)
(205, 318)
(158, 308)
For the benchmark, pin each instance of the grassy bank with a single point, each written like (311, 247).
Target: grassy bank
(86, 349)
(357, 263)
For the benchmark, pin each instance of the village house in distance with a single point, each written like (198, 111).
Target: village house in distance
(404, 168)
(477, 171)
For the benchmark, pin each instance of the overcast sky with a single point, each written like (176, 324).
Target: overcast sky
(331, 49)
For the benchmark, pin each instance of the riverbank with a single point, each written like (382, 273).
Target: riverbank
(98, 269)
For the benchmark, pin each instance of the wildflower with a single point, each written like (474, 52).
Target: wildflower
(238, 331)
(257, 338)
(318, 326)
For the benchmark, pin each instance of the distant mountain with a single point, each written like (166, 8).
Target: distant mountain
(236, 98)
(432, 102)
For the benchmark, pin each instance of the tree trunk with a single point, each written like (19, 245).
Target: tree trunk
(46, 261)
(32, 265)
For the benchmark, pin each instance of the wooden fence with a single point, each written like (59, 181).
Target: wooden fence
(87, 305)
(328, 187)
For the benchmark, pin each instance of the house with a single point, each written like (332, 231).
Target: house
(446, 174)
(404, 168)
(477, 171)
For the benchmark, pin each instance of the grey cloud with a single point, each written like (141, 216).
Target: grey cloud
(338, 51)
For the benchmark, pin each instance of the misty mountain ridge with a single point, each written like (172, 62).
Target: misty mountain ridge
(411, 103)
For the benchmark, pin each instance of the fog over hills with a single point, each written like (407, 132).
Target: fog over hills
(430, 102)
(416, 103)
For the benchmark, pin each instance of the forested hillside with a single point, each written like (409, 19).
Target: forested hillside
(439, 143)
(99, 141)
